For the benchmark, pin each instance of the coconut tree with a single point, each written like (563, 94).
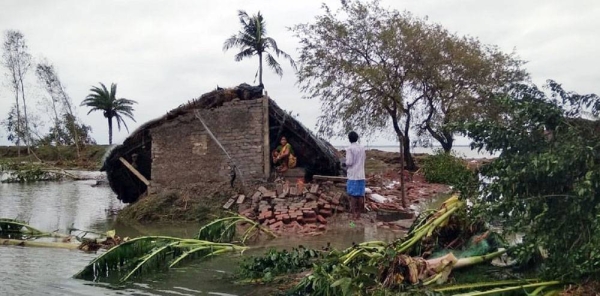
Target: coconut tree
(252, 40)
(101, 99)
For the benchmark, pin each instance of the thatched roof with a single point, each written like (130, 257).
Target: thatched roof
(315, 154)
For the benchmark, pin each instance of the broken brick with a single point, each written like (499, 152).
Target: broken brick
(276, 225)
(310, 220)
(321, 219)
(325, 212)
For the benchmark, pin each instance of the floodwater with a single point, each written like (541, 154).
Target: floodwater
(51, 206)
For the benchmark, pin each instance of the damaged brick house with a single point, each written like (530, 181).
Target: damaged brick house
(176, 151)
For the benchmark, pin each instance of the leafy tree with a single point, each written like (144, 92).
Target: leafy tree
(64, 131)
(18, 61)
(14, 125)
(252, 40)
(101, 99)
(546, 181)
(359, 64)
(373, 67)
(456, 76)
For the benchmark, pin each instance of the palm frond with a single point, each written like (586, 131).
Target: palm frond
(248, 52)
(232, 42)
(271, 43)
(273, 64)
(243, 16)
(113, 91)
(120, 121)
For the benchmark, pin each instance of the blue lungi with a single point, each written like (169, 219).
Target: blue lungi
(356, 188)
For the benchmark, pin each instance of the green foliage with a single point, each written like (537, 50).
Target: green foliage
(12, 227)
(253, 41)
(223, 230)
(274, 263)
(66, 131)
(445, 168)
(371, 66)
(101, 99)
(15, 126)
(546, 180)
(147, 254)
(25, 172)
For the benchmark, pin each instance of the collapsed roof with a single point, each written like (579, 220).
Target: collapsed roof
(314, 154)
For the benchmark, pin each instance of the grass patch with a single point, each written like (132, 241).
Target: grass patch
(190, 205)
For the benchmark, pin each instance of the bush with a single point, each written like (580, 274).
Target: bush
(445, 168)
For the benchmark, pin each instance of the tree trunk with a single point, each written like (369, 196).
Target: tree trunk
(109, 130)
(447, 145)
(402, 180)
(27, 133)
(408, 159)
(18, 128)
(260, 69)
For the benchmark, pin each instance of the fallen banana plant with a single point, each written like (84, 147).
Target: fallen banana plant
(224, 229)
(149, 254)
(13, 226)
(377, 264)
(531, 289)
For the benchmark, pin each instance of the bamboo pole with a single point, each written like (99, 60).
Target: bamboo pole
(37, 244)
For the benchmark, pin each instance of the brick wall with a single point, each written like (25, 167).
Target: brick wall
(183, 154)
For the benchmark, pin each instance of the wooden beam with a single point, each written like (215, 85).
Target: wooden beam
(134, 171)
(330, 178)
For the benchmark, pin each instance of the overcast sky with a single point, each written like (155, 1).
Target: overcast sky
(163, 53)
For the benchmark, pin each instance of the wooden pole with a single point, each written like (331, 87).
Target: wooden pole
(134, 171)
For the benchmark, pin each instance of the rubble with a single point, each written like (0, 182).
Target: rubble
(306, 208)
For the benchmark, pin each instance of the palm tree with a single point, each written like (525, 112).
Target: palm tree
(103, 100)
(252, 40)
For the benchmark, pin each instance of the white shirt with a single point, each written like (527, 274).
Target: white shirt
(355, 161)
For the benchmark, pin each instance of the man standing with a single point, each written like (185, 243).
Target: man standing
(355, 186)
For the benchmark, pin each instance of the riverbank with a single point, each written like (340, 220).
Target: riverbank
(63, 157)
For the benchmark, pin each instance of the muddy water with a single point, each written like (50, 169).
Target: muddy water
(58, 206)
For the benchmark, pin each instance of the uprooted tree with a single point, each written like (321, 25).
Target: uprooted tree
(545, 182)
(372, 66)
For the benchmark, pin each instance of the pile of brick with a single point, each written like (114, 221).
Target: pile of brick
(294, 207)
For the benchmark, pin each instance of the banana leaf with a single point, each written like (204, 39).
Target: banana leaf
(149, 254)
(224, 229)
(12, 226)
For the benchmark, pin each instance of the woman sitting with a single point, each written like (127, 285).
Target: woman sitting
(283, 156)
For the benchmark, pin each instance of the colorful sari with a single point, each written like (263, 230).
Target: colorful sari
(290, 158)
